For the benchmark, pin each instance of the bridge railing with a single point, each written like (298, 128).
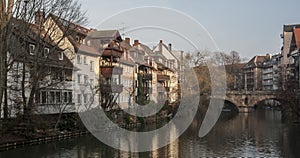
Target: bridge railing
(254, 92)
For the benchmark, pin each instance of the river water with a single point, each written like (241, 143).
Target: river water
(257, 134)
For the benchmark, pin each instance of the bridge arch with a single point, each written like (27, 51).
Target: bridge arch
(245, 100)
(280, 100)
(228, 104)
(232, 103)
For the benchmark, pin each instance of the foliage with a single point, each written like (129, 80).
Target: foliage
(203, 61)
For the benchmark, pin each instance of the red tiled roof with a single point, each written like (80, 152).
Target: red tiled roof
(297, 37)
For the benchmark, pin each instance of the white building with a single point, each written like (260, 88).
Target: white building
(84, 58)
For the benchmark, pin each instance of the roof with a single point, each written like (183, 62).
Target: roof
(104, 34)
(237, 66)
(69, 27)
(146, 48)
(256, 61)
(167, 48)
(290, 27)
(37, 36)
(125, 45)
(90, 50)
(297, 37)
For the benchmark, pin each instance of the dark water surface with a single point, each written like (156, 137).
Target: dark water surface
(257, 134)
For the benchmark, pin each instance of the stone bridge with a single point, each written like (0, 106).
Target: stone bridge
(245, 100)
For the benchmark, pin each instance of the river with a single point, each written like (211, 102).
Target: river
(257, 134)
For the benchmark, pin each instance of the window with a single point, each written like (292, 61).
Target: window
(60, 55)
(65, 97)
(78, 59)
(78, 78)
(58, 97)
(46, 52)
(92, 66)
(79, 98)
(62, 76)
(86, 79)
(44, 97)
(115, 79)
(92, 82)
(85, 98)
(37, 97)
(31, 49)
(52, 97)
(84, 59)
(70, 96)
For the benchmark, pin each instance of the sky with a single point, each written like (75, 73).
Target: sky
(248, 27)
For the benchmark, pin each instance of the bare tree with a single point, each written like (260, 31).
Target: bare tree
(291, 94)
(28, 55)
(235, 57)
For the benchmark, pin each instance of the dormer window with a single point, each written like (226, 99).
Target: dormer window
(31, 49)
(46, 51)
(77, 38)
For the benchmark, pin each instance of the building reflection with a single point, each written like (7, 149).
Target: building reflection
(257, 134)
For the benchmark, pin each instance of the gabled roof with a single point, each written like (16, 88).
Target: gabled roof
(33, 32)
(145, 48)
(256, 61)
(104, 34)
(82, 48)
(166, 47)
(37, 36)
(69, 27)
(63, 28)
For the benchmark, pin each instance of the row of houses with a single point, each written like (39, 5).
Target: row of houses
(272, 72)
(93, 68)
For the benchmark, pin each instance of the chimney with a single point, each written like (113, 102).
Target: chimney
(160, 46)
(170, 47)
(127, 40)
(39, 17)
(136, 42)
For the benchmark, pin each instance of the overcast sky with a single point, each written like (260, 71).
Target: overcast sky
(250, 27)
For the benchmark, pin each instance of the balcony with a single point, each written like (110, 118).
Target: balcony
(146, 77)
(111, 88)
(112, 52)
(267, 77)
(162, 78)
(108, 71)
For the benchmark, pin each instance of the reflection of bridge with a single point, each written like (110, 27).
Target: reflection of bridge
(247, 99)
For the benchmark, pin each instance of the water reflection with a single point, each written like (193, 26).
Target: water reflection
(257, 134)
